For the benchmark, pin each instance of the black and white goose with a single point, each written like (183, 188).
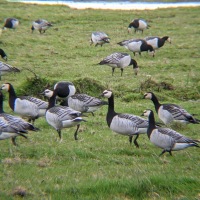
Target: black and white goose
(11, 23)
(138, 25)
(41, 25)
(137, 46)
(157, 42)
(165, 138)
(169, 113)
(99, 38)
(124, 124)
(3, 54)
(120, 60)
(5, 69)
(60, 117)
(84, 103)
(26, 106)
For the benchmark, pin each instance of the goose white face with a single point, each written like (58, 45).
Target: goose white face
(169, 40)
(48, 93)
(148, 95)
(146, 113)
(5, 87)
(107, 93)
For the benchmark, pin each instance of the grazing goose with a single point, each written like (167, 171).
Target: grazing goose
(137, 45)
(28, 107)
(84, 103)
(5, 68)
(60, 117)
(125, 124)
(3, 54)
(170, 112)
(10, 131)
(120, 60)
(157, 42)
(138, 25)
(165, 138)
(41, 25)
(99, 38)
(11, 23)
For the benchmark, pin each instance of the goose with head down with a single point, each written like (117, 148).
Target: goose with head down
(99, 38)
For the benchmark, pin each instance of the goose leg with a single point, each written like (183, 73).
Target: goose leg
(162, 152)
(130, 139)
(113, 70)
(170, 152)
(14, 141)
(59, 133)
(76, 132)
(121, 71)
(135, 141)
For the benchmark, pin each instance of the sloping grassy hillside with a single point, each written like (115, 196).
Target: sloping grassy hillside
(101, 164)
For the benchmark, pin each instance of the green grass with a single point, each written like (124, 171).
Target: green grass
(100, 165)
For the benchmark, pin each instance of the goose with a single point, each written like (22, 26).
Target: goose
(165, 138)
(3, 54)
(169, 113)
(26, 106)
(137, 45)
(124, 124)
(99, 38)
(10, 131)
(6, 68)
(138, 25)
(11, 23)
(60, 117)
(157, 42)
(120, 60)
(84, 103)
(41, 25)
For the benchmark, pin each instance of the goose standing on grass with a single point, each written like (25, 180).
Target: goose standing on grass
(138, 25)
(26, 106)
(5, 69)
(60, 117)
(169, 113)
(11, 23)
(125, 124)
(41, 25)
(165, 138)
(99, 38)
(84, 103)
(120, 60)
(137, 46)
(3, 54)
(157, 42)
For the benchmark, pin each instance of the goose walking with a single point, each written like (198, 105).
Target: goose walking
(5, 69)
(41, 25)
(84, 103)
(138, 25)
(124, 124)
(99, 38)
(157, 42)
(60, 117)
(11, 23)
(29, 107)
(165, 138)
(120, 60)
(169, 113)
(137, 46)
(3, 54)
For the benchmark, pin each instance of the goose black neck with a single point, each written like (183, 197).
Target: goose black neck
(111, 112)
(1, 103)
(134, 63)
(151, 123)
(52, 101)
(156, 102)
(12, 97)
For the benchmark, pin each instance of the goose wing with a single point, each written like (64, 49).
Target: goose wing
(4, 68)
(114, 58)
(39, 102)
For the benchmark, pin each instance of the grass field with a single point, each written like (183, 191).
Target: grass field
(101, 164)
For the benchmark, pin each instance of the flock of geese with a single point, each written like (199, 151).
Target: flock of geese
(70, 112)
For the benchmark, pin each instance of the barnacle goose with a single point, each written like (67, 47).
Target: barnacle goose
(120, 60)
(60, 117)
(3, 54)
(165, 138)
(41, 25)
(157, 42)
(84, 103)
(26, 106)
(137, 45)
(99, 38)
(5, 68)
(125, 124)
(169, 113)
(11, 23)
(138, 25)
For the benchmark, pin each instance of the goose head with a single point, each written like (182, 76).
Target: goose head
(6, 86)
(148, 95)
(48, 93)
(107, 93)
(147, 112)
